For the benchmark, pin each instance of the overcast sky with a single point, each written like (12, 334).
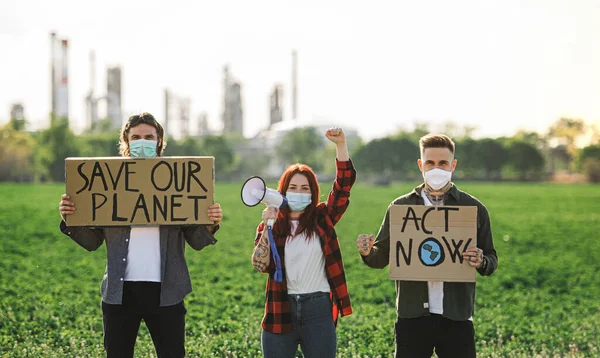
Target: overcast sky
(376, 66)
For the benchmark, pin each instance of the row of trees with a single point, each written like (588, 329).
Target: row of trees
(525, 156)
(40, 156)
(485, 159)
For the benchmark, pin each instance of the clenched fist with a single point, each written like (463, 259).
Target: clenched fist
(365, 243)
(336, 135)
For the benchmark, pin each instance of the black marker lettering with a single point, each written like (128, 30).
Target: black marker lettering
(115, 181)
(454, 252)
(97, 206)
(174, 205)
(153, 176)
(445, 209)
(82, 174)
(423, 221)
(410, 210)
(407, 258)
(140, 204)
(179, 188)
(158, 207)
(97, 172)
(196, 198)
(127, 179)
(115, 215)
(192, 174)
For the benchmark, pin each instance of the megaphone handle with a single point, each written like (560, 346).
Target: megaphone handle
(278, 271)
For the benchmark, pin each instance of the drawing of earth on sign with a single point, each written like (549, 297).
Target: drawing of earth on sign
(431, 252)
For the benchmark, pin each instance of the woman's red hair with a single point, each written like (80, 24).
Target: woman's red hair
(308, 219)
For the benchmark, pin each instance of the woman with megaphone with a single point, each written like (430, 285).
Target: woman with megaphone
(304, 301)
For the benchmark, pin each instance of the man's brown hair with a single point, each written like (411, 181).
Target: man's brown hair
(137, 119)
(436, 141)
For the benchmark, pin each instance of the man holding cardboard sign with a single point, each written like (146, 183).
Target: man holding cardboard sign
(146, 274)
(434, 238)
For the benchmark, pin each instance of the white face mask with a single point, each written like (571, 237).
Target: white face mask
(143, 148)
(437, 178)
(298, 201)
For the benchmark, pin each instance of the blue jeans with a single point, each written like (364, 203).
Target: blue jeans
(312, 327)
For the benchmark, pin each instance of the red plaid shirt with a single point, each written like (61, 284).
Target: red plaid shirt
(278, 318)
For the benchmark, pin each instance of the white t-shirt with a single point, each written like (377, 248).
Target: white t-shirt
(435, 288)
(143, 257)
(304, 264)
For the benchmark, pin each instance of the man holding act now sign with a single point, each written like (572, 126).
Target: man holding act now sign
(434, 238)
(146, 209)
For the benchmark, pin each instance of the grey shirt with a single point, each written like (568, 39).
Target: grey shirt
(459, 297)
(175, 277)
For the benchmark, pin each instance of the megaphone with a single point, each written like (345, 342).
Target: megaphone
(255, 191)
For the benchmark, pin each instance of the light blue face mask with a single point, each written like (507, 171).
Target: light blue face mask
(143, 148)
(298, 201)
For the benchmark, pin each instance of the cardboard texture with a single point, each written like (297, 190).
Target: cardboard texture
(427, 242)
(117, 191)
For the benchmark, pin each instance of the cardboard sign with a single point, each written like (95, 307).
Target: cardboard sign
(427, 242)
(117, 191)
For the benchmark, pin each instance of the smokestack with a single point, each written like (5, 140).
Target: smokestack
(91, 101)
(62, 105)
(167, 114)
(92, 71)
(53, 72)
(114, 96)
(294, 84)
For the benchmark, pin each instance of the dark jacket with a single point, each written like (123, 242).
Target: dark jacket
(175, 277)
(412, 296)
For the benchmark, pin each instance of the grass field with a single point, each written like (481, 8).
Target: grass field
(543, 300)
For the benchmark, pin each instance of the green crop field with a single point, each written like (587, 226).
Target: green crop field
(544, 300)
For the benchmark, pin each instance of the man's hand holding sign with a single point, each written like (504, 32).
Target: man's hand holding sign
(474, 257)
